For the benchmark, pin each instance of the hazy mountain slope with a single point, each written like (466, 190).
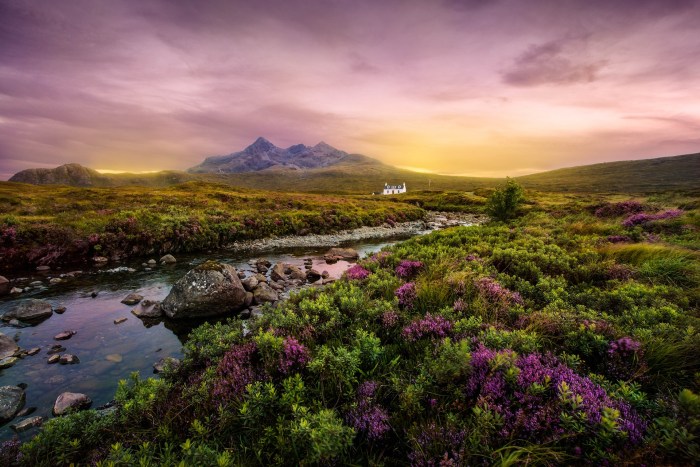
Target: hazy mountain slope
(263, 155)
(78, 175)
(663, 173)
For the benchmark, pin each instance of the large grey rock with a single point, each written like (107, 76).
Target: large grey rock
(8, 347)
(210, 289)
(264, 293)
(11, 401)
(148, 309)
(346, 254)
(30, 310)
(69, 401)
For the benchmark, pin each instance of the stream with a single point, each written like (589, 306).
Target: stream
(107, 351)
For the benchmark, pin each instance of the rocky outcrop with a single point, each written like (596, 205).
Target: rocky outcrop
(70, 401)
(11, 401)
(210, 289)
(68, 174)
(30, 311)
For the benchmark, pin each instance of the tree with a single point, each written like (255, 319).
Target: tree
(503, 203)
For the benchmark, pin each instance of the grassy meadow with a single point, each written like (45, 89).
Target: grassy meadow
(56, 224)
(566, 336)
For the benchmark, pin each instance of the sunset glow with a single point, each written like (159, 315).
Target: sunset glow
(471, 87)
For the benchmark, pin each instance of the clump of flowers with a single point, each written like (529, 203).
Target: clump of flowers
(367, 416)
(625, 346)
(494, 292)
(542, 399)
(389, 319)
(380, 257)
(433, 326)
(235, 371)
(643, 218)
(407, 269)
(406, 295)
(438, 445)
(619, 239)
(619, 209)
(294, 356)
(357, 273)
(459, 306)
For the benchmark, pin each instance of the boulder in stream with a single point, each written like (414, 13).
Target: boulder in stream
(70, 401)
(11, 401)
(8, 347)
(132, 299)
(148, 309)
(345, 254)
(30, 311)
(210, 289)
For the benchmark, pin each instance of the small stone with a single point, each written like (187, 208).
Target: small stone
(27, 424)
(16, 290)
(119, 320)
(26, 411)
(70, 401)
(168, 259)
(14, 322)
(100, 259)
(260, 277)
(55, 280)
(60, 310)
(43, 268)
(132, 299)
(114, 357)
(148, 309)
(56, 348)
(245, 314)
(33, 351)
(36, 283)
(313, 275)
(241, 274)
(68, 359)
(249, 297)
(152, 262)
(65, 335)
(94, 294)
(325, 275)
(166, 362)
(54, 359)
(7, 362)
(8, 347)
(250, 283)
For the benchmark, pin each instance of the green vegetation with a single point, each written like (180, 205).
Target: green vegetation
(567, 336)
(505, 201)
(52, 224)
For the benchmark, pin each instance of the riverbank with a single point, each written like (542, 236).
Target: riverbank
(432, 221)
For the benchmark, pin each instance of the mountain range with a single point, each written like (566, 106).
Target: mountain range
(325, 169)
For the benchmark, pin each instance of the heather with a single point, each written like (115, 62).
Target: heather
(531, 341)
(54, 225)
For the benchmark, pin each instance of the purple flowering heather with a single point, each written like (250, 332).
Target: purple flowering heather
(357, 273)
(294, 356)
(432, 326)
(532, 405)
(624, 346)
(235, 371)
(438, 445)
(496, 293)
(459, 306)
(367, 416)
(643, 218)
(406, 295)
(389, 319)
(619, 209)
(407, 269)
(619, 238)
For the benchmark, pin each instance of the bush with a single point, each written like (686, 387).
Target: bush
(503, 203)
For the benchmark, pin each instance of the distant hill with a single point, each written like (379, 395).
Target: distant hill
(263, 155)
(78, 175)
(357, 174)
(646, 175)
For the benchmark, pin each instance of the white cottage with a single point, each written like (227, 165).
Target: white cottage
(394, 189)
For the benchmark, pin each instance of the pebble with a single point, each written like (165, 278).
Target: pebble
(55, 280)
(60, 310)
(33, 351)
(65, 335)
(16, 290)
(54, 359)
(27, 424)
(114, 357)
(119, 320)
(68, 359)
(43, 268)
(57, 348)
(7, 362)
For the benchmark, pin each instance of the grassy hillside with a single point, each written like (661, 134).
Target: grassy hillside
(660, 174)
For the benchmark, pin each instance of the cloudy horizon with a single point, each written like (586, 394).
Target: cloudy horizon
(468, 87)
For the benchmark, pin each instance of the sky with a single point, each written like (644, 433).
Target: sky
(470, 87)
